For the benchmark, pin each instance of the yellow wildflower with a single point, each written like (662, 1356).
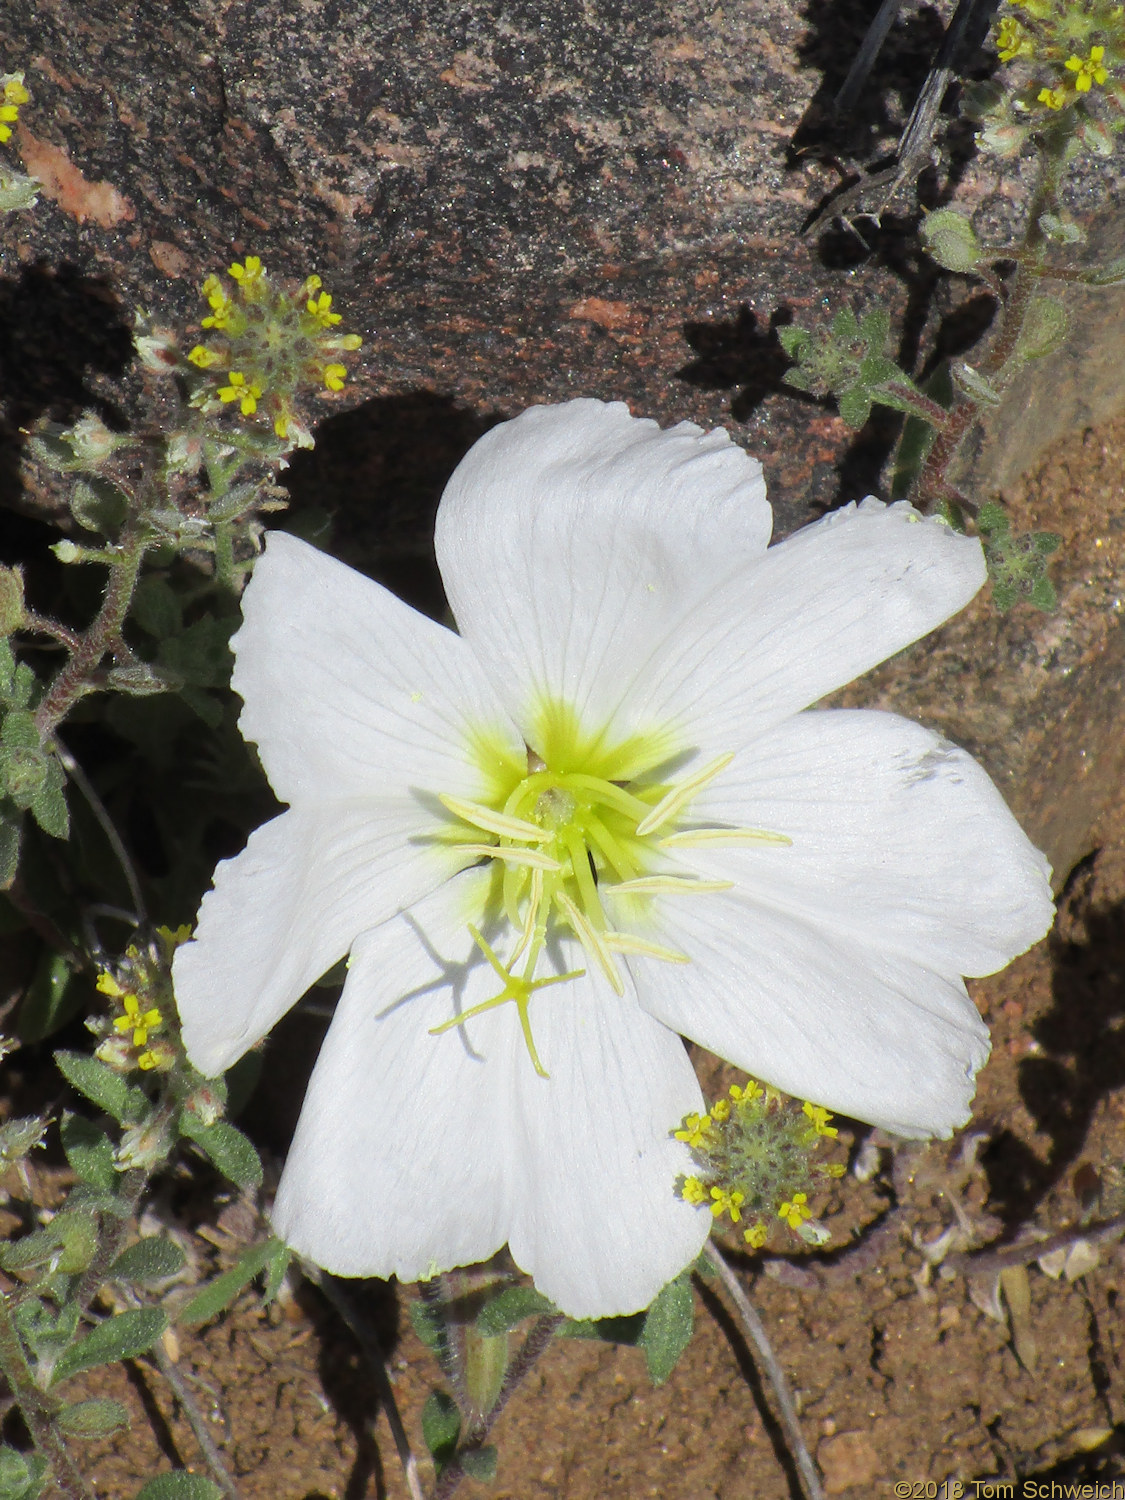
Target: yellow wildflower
(796, 1212)
(1089, 70)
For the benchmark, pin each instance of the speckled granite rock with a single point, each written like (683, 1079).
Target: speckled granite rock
(513, 201)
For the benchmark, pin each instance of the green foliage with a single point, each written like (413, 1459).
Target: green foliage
(480, 1463)
(951, 240)
(102, 1086)
(50, 999)
(218, 1295)
(93, 1419)
(509, 1308)
(668, 1328)
(426, 1324)
(123, 1336)
(226, 1147)
(1044, 328)
(99, 505)
(180, 1485)
(848, 361)
(441, 1426)
(148, 1262)
(21, 1475)
(89, 1151)
(1017, 561)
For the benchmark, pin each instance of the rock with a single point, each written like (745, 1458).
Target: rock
(847, 1460)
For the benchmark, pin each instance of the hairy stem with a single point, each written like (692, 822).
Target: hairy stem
(101, 636)
(933, 483)
(756, 1333)
(195, 1418)
(38, 1410)
(542, 1332)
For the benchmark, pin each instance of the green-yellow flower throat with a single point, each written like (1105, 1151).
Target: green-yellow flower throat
(568, 826)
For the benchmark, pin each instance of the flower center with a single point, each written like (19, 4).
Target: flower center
(569, 826)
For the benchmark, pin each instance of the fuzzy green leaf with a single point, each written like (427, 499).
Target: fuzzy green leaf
(951, 240)
(11, 830)
(1044, 328)
(99, 505)
(276, 1267)
(120, 1337)
(49, 1001)
(441, 1425)
(628, 1329)
(48, 806)
(157, 609)
(426, 1324)
(103, 1087)
(217, 1295)
(150, 1260)
(794, 339)
(480, 1463)
(89, 1151)
(1043, 594)
(93, 1419)
(974, 384)
(668, 1328)
(180, 1485)
(21, 1474)
(855, 407)
(200, 655)
(510, 1307)
(226, 1147)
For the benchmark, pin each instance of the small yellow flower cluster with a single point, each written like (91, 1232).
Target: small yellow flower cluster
(1079, 43)
(267, 344)
(13, 94)
(139, 985)
(754, 1153)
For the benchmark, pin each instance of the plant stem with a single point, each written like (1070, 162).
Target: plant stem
(97, 807)
(542, 1332)
(101, 635)
(195, 1418)
(933, 485)
(38, 1410)
(772, 1366)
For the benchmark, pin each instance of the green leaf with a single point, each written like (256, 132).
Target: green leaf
(426, 1324)
(276, 1267)
(19, 730)
(1043, 594)
(1111, 274)
(974, 384)
(794, 339)
(93, 1419)
(625, 1330)
(992, 520)
(103, 1087)
(11, 829)
(21, 1475)
(67, 1243)
(480, 1463)
(845, 326)
(152, 1259)
(89, 1151)
(951, 240)
(227, 1147)
(200, 655)
(99, 505)
(441, 1426)
(48, 806)
(669, 1324)
(46, 1333)
(121, 1337)
(220, 1293)
(157, 609)
(510, 1307)
(49, 1001)
(855, 407)
(180, 1485)
(1044, 328)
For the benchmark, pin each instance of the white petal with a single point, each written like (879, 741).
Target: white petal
(900, 841)
(597, 1223)
(868, 1034)
(571, 537)
(350, 692)
(401, 1159)
(416, 1153)
(287, 908)
(814, 612)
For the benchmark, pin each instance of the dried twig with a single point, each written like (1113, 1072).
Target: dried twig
(985, 1262)
(755, 1331)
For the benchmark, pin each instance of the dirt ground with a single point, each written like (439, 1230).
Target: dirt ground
(905, 1372)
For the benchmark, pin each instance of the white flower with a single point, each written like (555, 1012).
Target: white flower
(600, 816)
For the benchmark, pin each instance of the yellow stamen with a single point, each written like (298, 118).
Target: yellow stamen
(668, 885)
(592, 941)
(698, 838)
(627, 942)
(680, 795)
(535, 859)
(491, 821)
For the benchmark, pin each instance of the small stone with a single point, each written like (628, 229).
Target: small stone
(847, 1460)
